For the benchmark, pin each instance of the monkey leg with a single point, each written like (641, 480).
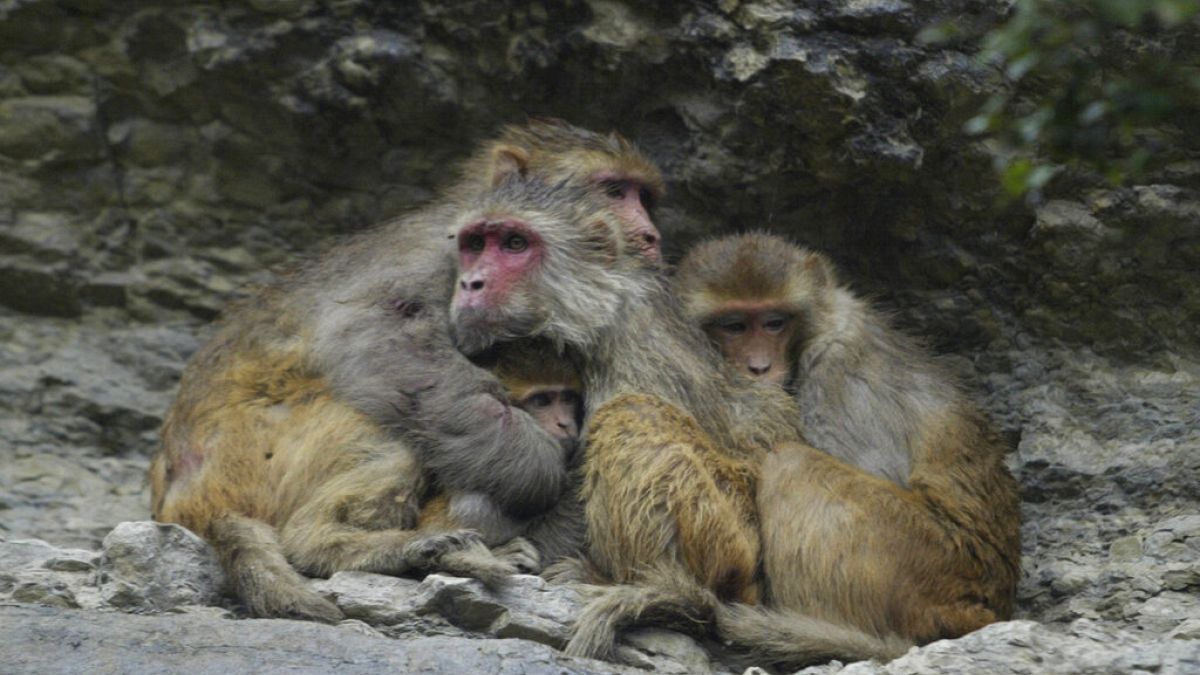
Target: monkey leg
(329, 532)
(843, 545)
(657, 491)
(253, 559)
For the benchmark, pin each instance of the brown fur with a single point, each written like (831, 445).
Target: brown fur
(909, 524)
(673, 438)
(526, 368)
(304, 431)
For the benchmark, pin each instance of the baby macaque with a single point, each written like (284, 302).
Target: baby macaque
(545, 385)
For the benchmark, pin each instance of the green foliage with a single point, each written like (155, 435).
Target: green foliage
(1092, 84)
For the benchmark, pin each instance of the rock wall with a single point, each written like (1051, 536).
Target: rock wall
(156, 157)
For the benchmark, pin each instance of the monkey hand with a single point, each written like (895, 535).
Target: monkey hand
(460, 553)
(521, 554)
(424, 552)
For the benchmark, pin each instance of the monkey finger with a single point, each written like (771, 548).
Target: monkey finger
(426, 552)
(520, 553)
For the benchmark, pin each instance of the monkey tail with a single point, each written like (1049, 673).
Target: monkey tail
(252, 557)
(658, 599)
(784, 638)
(673, 599)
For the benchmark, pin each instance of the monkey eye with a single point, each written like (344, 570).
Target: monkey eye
(516, 243)
(614, 188)
(733, 327)
(541, 399)
(475, 242)
(775, 324)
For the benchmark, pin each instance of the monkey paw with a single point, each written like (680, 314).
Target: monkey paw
(426, 551)
(521, 554)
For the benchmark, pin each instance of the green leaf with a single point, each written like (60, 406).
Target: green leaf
(1015, 177)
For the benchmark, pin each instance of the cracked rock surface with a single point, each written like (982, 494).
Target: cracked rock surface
(158, 158)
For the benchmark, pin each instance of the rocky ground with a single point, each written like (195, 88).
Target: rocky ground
(157, 158)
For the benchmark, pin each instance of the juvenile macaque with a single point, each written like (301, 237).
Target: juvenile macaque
(545, 385)
(304, 429)
(906, 521)
(674, 443)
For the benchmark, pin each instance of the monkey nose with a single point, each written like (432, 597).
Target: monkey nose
(759, 371)
(471, 284)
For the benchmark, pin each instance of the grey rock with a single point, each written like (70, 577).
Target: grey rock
(47, 290)
(664, 651)
(54, 128)
(37, 554)
(120, 643)
(527, 607)
(1026, 647)
(154, 566)
(373, 598)
(35, 572)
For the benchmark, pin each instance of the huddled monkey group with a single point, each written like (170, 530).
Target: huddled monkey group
(512, 380)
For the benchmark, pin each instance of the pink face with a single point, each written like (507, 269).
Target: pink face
(493, 256)
(631, 201)
(756, 340)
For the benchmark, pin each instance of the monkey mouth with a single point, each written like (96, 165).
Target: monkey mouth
(475, 330)
(471, 336)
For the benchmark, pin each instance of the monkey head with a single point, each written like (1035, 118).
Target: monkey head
(607, 165)
(755, 296)
(542, 382)
(538, 259)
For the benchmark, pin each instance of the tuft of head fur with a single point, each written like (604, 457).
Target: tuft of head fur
(526, 365)
(752, 269)
(552, 147)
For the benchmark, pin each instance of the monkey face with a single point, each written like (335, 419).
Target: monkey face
(497, 257)
(631, 200)
(539, 260)
(757, 341)
(559, 410)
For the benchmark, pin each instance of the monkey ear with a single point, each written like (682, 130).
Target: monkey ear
(820, 269)
(508, 161)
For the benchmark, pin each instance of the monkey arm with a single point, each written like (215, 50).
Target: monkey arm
(402, 370)
(473, 439)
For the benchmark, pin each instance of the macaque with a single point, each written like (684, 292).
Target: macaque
(545, 385)
(304, 430)
(675, 440)
(906, 520)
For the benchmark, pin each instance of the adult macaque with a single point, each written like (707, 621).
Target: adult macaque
(670, 475)
(303, 430)
(908, 522)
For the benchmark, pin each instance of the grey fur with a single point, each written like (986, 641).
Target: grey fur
(634, 337)
(866, 389)
(380, 332)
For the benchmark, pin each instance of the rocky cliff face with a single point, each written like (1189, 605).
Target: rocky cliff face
(156, 157)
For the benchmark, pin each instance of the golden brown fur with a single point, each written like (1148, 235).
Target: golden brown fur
(906, 522)
(673, 438)
(305, 431)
